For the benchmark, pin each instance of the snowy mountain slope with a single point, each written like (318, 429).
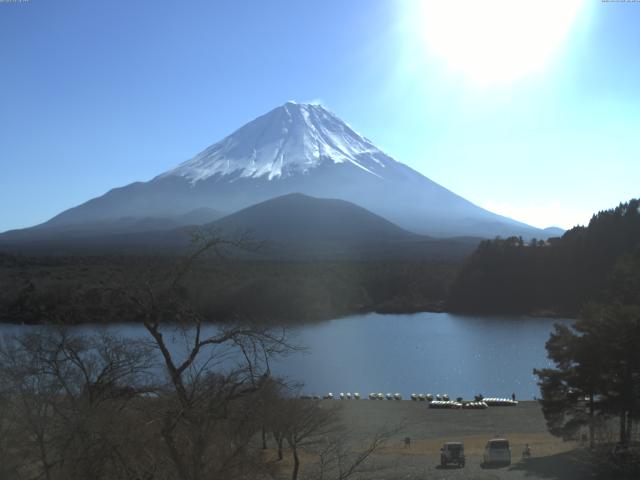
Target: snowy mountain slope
(294, 138)
(298, 148)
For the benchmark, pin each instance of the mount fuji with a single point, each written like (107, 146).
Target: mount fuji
(294, 148)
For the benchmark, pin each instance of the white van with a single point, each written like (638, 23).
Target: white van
(497, 450)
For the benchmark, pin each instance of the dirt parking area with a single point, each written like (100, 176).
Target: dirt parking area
(427, 429)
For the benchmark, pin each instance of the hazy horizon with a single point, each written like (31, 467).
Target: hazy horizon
(99, 95)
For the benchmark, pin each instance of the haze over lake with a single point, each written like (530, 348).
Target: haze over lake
(423, 353)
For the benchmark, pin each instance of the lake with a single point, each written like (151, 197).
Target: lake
(422, 353)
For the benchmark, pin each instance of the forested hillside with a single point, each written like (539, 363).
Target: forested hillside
(71, 290)
(556, 276)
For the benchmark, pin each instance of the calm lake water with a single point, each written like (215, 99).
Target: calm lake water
(422, 353)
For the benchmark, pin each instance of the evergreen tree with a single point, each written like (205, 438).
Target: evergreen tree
(597, 360)
(560, 276)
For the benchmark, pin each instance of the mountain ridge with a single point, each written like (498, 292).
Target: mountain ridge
(298, 148)
(290, 227)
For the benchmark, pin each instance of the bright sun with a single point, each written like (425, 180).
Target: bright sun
(495, 41)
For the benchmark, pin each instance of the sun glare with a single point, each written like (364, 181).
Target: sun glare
(495, 41)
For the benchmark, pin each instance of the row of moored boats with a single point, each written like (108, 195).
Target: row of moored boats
(435, 401)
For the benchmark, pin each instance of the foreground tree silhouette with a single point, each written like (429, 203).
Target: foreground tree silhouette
(78, 409)
(78, 406)
(68, 403)
(206, 422)
(597, 358)
(307, 423)
(569, 391)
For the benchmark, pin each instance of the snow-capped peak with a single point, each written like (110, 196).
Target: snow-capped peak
(293, 138)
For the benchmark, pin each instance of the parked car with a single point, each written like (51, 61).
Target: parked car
(452, 453)
(497, 450)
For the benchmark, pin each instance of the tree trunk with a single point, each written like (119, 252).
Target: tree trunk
(591, 419)
(167, 434)
(279, 440)
(629, 400)
(296, 463)
(629, 426)
(264, 439)
(623, 426)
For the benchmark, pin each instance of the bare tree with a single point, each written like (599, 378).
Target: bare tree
(85, 406)
(67, 394)
(316, 428)
(6, 459)
(340, 458)
(308, 422)
(213, 371)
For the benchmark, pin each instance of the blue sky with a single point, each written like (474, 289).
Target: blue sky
(95, 95)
